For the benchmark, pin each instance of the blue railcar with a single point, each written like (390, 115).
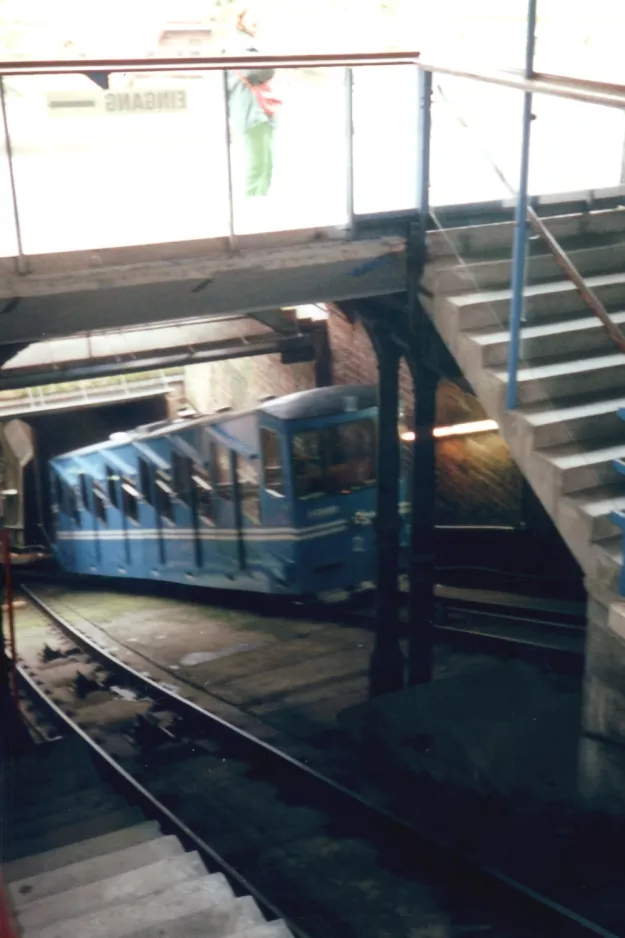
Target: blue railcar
(279, 499)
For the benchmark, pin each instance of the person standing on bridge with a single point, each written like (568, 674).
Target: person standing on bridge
(253, 108)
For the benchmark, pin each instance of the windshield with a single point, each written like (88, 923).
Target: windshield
(334, 460)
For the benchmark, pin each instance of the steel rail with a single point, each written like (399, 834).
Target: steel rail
(378, 823)
(153, 807)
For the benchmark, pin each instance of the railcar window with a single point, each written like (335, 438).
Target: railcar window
(99, 503)
(72, 504)
(247, 482)
(111, 481)
(58, 492)
(309, 470)
(352, 456)
(181, 472)
(130, 498)
(222, 472)
(84, 496)
(203, 493)
(336, 460)
(145, 482)
(165, 499)
(272, 462)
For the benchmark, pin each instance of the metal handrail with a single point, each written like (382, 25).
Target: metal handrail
(566, 264)
(206, 63)
(586, 90)
(559, 254)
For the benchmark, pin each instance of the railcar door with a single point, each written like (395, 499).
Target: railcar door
(247, 501)
(226, 532)
(88, 554)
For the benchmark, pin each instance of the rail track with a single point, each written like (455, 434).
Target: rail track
(333, 863)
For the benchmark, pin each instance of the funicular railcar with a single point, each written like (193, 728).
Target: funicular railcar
(279, 499)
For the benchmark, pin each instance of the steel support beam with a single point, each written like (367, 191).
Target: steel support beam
(423, 531)
(386, 672)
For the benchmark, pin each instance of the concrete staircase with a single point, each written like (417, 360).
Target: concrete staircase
(79, 861)
(565, 432)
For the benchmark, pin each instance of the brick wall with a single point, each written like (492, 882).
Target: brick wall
(240, 382)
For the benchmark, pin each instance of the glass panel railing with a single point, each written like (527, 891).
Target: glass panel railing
(574, 146)
(385, 111)
(289, 149)
(581, 40)
(8, 232)
(473, 125)
(142, 163)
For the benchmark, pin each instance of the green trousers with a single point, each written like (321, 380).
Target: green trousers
(259, 159)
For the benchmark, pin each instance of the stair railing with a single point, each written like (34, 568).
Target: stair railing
(560, 256)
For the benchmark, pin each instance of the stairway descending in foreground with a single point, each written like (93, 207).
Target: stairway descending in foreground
(566, 432)
(79, 860)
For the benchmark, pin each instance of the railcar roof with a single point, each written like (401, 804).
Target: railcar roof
(322, 402)
(318, 402)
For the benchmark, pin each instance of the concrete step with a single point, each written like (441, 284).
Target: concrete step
(451, 277)
(586, 516)
(491, 308)
(80, 851)
(562, 379)
(241, 918)
(74, 833)
(108, 803)
(574, 468)
(479, 240)
(607, 563)
(211, 895)
(583, 335)
(126, 887)
(574, 420)
(268, 930)
(33, 888)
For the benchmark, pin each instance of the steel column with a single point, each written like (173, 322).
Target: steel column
(423, 531)
(21, 263)
(520, 224)
(424, 134)
(232, 238)
(387, 662)
(349, 133)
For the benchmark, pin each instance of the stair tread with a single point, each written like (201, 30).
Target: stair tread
(562, 368)
(569, 455)
(542, 414)
(76, 852)
(600, 501)
(242, 918)
(489, 336)
(612, 547)
(533, 289)
(210, 893)
(124, 887)
(41, 885)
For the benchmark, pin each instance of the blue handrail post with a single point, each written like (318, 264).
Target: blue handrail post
(520, 221)
(349, 131)
(424, 133)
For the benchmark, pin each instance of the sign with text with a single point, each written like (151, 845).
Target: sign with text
(116, 103)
